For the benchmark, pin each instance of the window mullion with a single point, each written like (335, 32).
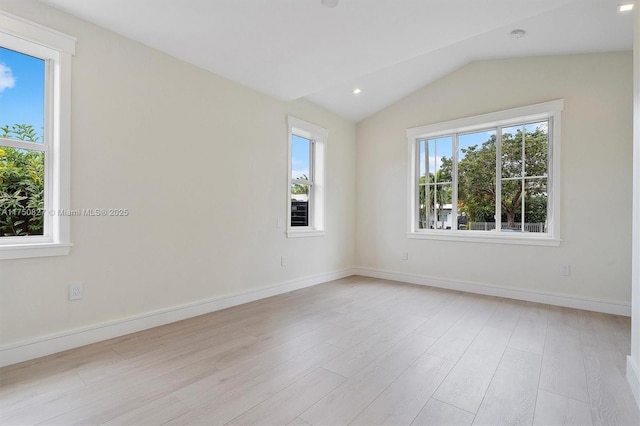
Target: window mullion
(454, 183)
(416, 195)
(19, 144)
(427, 186)
(498, 196)
(310, 206)
(550, 174)
(435, 184)
(522, 188)
(312, 149)
(311, 196)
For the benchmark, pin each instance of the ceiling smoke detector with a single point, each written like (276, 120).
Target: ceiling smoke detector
(330, 3)
(518, 33)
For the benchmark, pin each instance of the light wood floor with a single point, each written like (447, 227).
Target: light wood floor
(354, 351)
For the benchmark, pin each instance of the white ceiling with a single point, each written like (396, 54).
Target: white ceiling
(389, 48)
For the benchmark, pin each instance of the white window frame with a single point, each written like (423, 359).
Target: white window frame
(56, 49)
(544, 111)
(317, 186)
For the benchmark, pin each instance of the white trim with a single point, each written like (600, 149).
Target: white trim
(294, 233)
(56, 49)
(317, 194)
(23, 251)
(507, 117)
(36, 33)
(57, 342)
(633, 377)
(588, 304)
(485, 237)
(306, 129)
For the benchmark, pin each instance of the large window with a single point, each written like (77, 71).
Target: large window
(491, 178)
(34, 139)
(306, 178)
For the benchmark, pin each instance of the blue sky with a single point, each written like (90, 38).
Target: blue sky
(299, 156)
(442, 147)
(21, 90)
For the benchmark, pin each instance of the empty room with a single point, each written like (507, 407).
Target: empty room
(319, 212)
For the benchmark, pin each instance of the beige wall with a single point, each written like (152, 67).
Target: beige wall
(201, 164)
(596, 177)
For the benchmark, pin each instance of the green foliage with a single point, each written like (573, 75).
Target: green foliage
(23, 132)
(536, 153)
(299, 188)
(477, 178)
(477, 181)
(21, 185)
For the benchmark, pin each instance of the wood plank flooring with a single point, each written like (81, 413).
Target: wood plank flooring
(356, 351)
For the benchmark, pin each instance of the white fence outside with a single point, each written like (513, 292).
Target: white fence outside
(517, 227)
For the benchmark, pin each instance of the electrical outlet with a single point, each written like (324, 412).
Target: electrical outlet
(283, 261)
(405, 256)
(75, 291)
(565, 270)
(278, 223)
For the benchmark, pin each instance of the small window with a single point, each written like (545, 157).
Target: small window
(490, 178)
(23, 151)
(34, 139)
(306, 185)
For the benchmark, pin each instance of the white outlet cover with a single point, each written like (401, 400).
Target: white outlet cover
(75, 291)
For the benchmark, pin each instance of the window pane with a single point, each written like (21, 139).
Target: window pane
(535, 205)
(511, 205)
(299, 205)
(422, 208)
(22, 96)
(439, 151)
(512, 151)
(476, 181)
(536, 149)
(440, 211)
(435, 213)
(21, 192)
(300, 158)
(422, 159)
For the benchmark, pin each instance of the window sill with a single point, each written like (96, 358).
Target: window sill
(307, 233)
(486, 237)
(24, 251)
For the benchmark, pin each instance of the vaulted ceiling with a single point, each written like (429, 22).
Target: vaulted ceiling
(293, 49)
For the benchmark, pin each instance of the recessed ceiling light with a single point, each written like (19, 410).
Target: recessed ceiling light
(330, 3)
(626, 7)
(356, 91)
(518, 33)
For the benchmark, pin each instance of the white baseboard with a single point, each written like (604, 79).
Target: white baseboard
(633, 376)
(596, 305)
(58, 342)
